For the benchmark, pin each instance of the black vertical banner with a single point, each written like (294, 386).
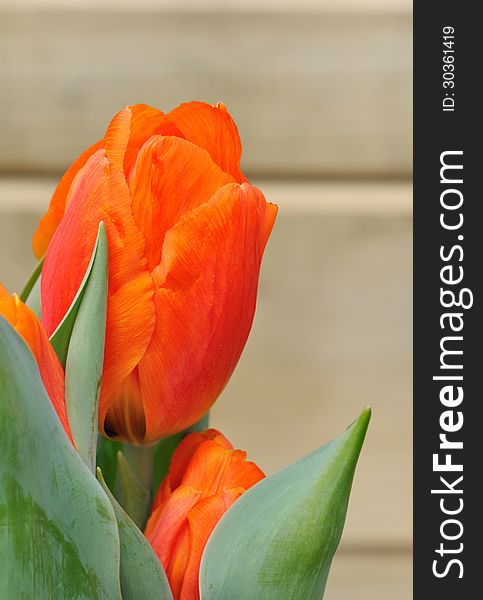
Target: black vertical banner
(448, 274)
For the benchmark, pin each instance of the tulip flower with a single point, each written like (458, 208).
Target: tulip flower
(205, 478)
(186, 235)
(27, 325)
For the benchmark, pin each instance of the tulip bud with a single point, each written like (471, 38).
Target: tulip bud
(205, 478)
(278, 540)
(186, 235)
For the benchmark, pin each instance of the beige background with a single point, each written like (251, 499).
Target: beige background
(322, 96)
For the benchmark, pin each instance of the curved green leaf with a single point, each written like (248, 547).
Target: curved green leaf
(142, 575)
(60, 339)
(278, 539)
(58, 533)
(85, 354)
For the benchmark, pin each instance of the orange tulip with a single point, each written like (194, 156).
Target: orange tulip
(25, 322)
(186, 236)
(205, 478)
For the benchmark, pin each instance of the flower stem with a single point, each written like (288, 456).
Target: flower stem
(134, 481)
(140, 459)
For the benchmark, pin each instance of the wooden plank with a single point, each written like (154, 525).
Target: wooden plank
(210, 5)
(32, 194)
(313, 93)
(370, 576)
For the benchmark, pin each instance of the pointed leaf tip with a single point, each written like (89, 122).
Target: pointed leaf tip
(278, 539)
(84, 337)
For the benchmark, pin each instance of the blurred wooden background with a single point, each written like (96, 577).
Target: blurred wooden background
(321, 92)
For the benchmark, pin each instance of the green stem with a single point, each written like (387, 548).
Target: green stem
(141, 460)
(134, 481)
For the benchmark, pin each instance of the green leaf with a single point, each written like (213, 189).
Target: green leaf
(132, 495)
(142, 575)
(278, 539)
(58, 533)
(85, 354)
(61, 337)
(31, 293)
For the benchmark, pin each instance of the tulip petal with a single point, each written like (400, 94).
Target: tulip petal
(202, 520)
(212, 128)
(182, 457)
(165, 523)
(176, 568)
(30, 329)
(213, 469)
(146, 122)
(127, 132)
(170, 178)
(100, 194)
(205, 296)
(50, 221)
(188, 448)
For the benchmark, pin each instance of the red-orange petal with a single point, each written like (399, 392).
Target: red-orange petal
(181, 458)
(125, 135)
(171, 177)
(165, 523)
(100, 193)
(25, 322)
(205, 298)
(212, 128)
(50, 221)
(128, 131)
(202, 519)
(176, 568)
(125, 412)
(212, 469)
(145, 122)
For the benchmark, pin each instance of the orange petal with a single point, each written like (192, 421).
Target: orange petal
(125, 412)
(116, 138)
(176, 569)
(205, 296)
(202, 519)
(213, 469)
(128, 131)
(50, 221)
(165, 523)
(30, 329)
(145, 123)
(211, 127)
(100, 193)
(171, 177)
(181, 458)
